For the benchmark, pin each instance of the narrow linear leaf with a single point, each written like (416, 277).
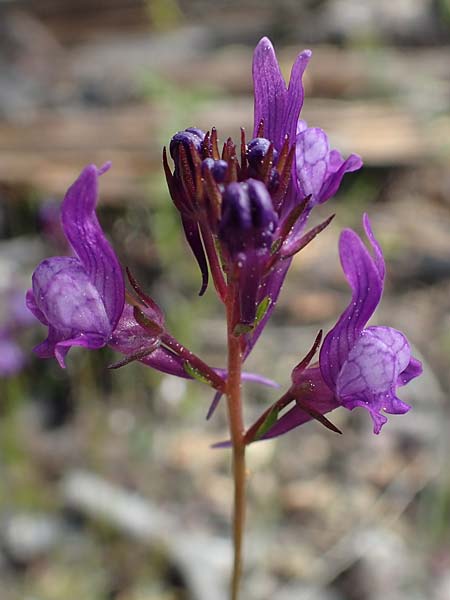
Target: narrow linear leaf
(268, 422)
(195, 373)
(262, 308)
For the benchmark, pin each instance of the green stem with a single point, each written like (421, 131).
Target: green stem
(237, 430)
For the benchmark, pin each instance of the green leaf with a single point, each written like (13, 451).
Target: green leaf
(270, 420)
(195, 373)
(262, 309)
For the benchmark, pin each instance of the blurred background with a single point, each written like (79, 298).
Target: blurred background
(108, 487)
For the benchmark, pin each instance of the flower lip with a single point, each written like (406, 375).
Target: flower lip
(68, 299)
(319, 169)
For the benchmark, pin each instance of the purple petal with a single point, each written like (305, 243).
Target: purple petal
(46, 349)
(374, 363)
(68, 300)
(413, 370)
(269, 90)
(378, 253)
(86, 237)
(250, 377)
(64, 298)
(295, 94)
(319, 170)
(369, 376)
(363, 274)
(32, 306)
(193, 238)
(256, 378)
(333, 181)
(220, 445)
(311, 154)
(277, 106)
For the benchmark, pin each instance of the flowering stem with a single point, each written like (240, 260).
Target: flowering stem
(236, 425)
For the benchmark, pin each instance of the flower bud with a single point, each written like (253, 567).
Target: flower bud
(248, 218)
(186, 138)
(218, 168)
(257, 150)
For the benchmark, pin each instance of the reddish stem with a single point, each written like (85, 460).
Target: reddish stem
(236, 424)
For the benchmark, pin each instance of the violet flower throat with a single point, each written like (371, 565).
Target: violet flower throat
(244, 209)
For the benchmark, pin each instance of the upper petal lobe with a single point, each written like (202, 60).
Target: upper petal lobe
(363, 274)
(86, 237)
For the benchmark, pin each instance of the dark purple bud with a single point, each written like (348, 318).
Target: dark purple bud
(236, 220)
(196, 131)
(186, 138)
(264, 218)
(248, 218)
(257, 150)
(218, 168)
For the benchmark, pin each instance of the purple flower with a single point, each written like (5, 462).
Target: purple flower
(79, 298)
(364, 366)
(358, 366)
